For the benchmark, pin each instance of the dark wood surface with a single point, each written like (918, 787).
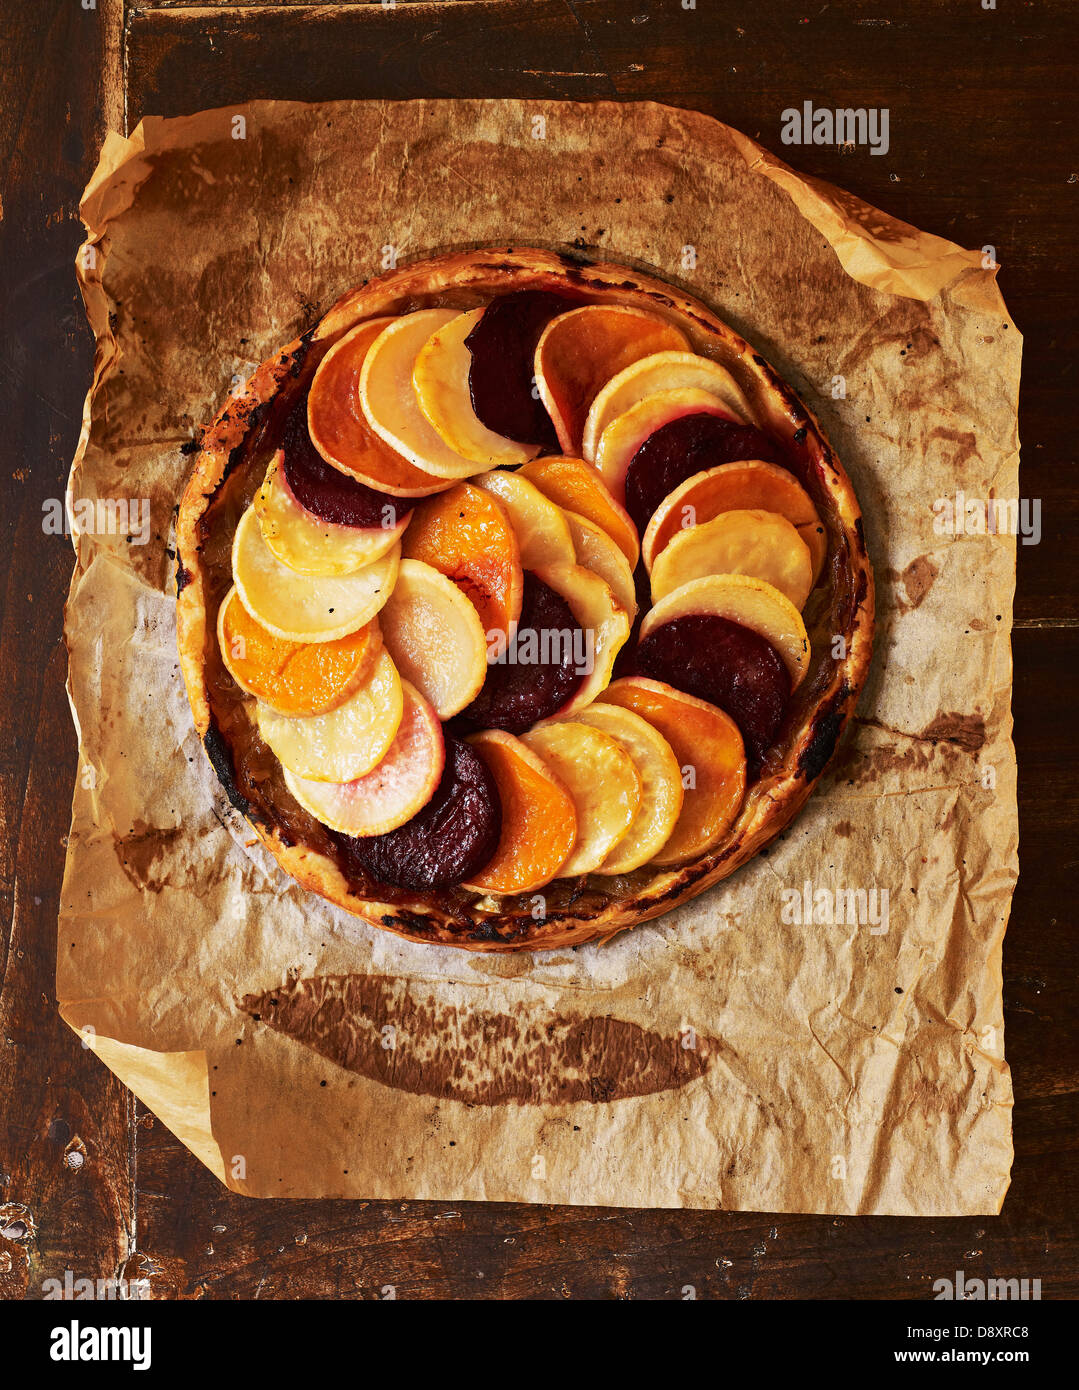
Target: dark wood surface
(983, 150)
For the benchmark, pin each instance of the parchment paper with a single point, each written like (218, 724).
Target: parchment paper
(721, 1056)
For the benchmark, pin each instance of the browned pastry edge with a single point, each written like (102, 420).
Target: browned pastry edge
(576, 911)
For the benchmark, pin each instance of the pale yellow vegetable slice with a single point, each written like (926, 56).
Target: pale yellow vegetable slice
(748, 484)
(602, 780)
(663, 371)
(306, 608)
(740, 599)
(434, 634)
(395, 789)
(348, 741)
(603, 620)
(440, 380)
(389, 399)
(762, 544)
(308, 544)
(542, 532)
(661, 785)
(597, 552)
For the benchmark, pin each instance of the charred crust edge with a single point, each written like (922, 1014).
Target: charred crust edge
(827, 726)
(220, 755)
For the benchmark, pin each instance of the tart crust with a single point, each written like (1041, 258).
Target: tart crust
(230, 466)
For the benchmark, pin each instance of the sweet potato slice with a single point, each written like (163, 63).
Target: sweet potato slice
(466, 534)
(339, 428)
(576, 487)
(579, 352)
(539, 822)
(295, 678)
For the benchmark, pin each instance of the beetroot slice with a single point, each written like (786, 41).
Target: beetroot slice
(683, 447)
(447, 842)
(517, 694)
(325, 490)
(726, 664)
(503, 345)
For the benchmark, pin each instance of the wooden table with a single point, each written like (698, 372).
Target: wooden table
(984, 151)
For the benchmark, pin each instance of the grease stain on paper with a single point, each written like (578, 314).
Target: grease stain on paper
(376, 1028)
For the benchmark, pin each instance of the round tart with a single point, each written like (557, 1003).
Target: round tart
(553, 565)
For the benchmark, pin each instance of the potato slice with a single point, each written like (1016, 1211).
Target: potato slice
(708, 747)
(339, 428)
(602, 780)
(593, 604)
(661, 785)
(740, 599)
(400, 784)
(389, 400)
(440, 380)
(598, 553)
(348, 741)
(580, 351)
(576, 487)
(663, 371)
(542, 532)
(539, 822)
(308, 544)
(435, 637)
(627, 432)
(306, 608)
(747, 485)
(762, 544)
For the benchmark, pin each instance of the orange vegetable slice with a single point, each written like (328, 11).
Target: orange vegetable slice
(580, 351)
(339, 428)
(708, 746)
(295, 678)
(466, 534)
(539, 822)
(575, 486)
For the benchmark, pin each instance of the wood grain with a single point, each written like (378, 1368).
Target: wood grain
(983, 150)
(66, 1158)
